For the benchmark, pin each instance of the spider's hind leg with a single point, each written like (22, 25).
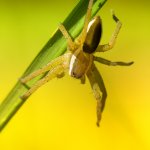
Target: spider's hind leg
(99, 90)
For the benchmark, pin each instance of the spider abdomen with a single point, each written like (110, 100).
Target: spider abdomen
(93, 36)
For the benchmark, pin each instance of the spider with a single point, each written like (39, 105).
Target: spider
(79, 59)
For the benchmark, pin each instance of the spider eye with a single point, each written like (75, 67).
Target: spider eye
(93, 36)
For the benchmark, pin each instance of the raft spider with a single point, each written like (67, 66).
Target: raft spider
(79, 61)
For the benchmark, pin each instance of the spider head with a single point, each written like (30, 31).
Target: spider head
(93, 36)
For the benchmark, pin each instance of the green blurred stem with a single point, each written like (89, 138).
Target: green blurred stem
(55, 47)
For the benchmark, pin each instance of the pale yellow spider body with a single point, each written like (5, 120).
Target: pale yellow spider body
(79, 61)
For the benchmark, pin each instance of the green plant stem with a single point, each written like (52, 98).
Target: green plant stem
(55, 47)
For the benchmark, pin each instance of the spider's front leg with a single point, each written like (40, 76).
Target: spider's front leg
(99, 90)
(81, 38)
(56, 71)
(70, 43)
(106, 47)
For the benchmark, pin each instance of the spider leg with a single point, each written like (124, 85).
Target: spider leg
(111, 43)
(82, 36)
(110, 63)
(65, 33)
(83, 79)
(62, 74)
(99, 90)
(49, 66)
(51, 74)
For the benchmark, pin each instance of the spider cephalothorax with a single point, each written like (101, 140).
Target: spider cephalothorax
(79, 61)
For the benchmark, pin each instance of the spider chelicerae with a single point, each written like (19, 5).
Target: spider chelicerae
(79, 59)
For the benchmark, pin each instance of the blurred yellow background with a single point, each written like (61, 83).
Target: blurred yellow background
(61, 115)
